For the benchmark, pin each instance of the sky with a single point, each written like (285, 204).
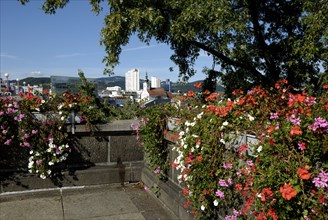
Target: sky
(35, 44)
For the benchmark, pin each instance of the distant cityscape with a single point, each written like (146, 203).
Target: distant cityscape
(115, 89)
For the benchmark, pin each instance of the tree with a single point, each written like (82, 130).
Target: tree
(251, 41)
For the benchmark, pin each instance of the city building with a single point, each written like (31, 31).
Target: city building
(132, 80)
(155, 82)
(111, 92)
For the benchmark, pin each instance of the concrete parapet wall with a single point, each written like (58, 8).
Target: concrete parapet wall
(93, 160)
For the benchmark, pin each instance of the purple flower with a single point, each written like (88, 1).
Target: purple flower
(273, 115)
(321, 181)
(229, 181)
(34, 131)
(294, 120)
(319, 124)
(219, 194)
(223, 183)
(158, 170)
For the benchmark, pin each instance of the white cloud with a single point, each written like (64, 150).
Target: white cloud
(69, 55)
(5, 55)
(138, 48)
(35, 74)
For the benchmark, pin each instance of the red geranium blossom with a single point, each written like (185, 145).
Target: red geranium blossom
(296, 130)
(287, 191)
(198, 85)
(303, 174)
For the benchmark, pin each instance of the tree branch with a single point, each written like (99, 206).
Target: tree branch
(263, 47)
(230, 61)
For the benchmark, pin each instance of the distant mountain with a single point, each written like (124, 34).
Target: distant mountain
(111, 81)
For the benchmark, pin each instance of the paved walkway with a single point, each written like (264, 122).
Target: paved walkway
(110, 202)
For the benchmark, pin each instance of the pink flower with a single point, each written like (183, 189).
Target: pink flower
(250, 163)
(223, 183)
(227, 165)
(302, 146)
(8, 142)
(219, 194)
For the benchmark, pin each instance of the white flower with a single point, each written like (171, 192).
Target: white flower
(222, 141)
(225, 123)
(49, 172)
(193, 149)
(43, 101)
(42, 176)
(60, 107)
(199, 116)
(31, 151)
(30, 164)
(37, 109)
(202, 207)
(60, 113)
(50, 163)
(181, 133)
(62, 118)
(215, 202)
(259, 149)
(37, 154)
(192, 124)
(251, 118)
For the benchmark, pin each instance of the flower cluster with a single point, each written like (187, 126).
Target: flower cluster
(42, 162)
(260, 155)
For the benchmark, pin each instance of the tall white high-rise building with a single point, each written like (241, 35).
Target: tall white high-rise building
(155, 82)
(132, 80)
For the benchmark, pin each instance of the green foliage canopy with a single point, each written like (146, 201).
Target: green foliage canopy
(250, 41)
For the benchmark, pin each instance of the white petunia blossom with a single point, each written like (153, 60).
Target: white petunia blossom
(259, 149)
(225, 123)
(202, 207)
(42, 176)
(251, 118)
(215, 202)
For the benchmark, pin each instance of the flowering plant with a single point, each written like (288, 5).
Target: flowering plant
(283, 173)
(34, 125)
(150, 130)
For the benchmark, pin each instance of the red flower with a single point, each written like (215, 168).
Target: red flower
(287, 191)
(261, 216)
(273, 214)
(266, 192)
(198, 85)
(199, 158)
(303, 174)
(191, 93)
(296, 130)
(242, 148)
(185, 191)
(239, 187)
(322, 199)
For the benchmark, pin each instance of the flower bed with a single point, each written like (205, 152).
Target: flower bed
(282, 175)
